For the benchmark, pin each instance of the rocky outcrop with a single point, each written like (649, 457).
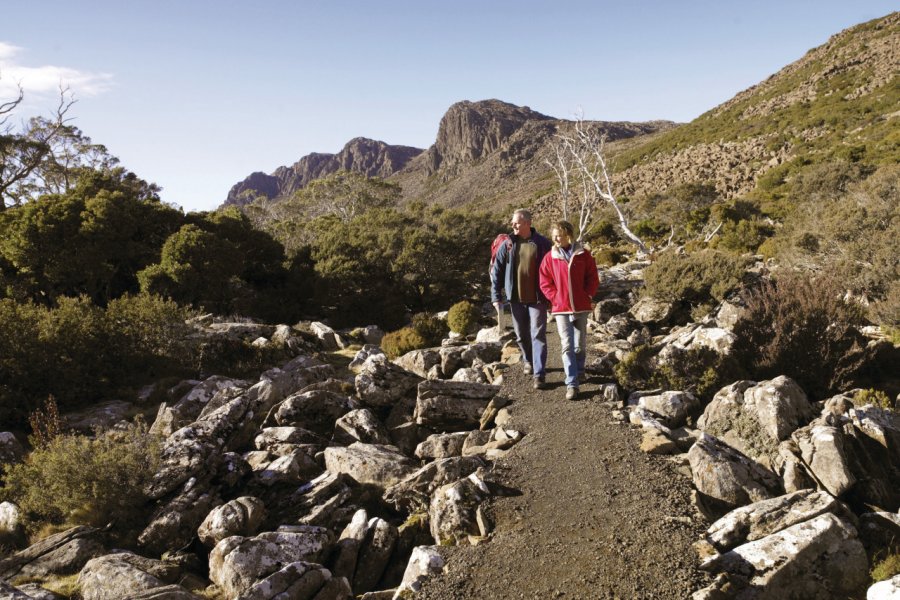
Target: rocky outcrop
(755, 417)
(61, 553)
(360, 155)
(127, 575)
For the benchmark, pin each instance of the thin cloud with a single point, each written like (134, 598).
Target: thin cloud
(47, 79)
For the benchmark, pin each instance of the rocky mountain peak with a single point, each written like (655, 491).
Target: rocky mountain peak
(371, 158)
(471, 130)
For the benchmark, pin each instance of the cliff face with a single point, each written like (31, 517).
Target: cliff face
(369, 157)
(469, 131)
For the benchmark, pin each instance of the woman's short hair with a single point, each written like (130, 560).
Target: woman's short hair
(564, 226)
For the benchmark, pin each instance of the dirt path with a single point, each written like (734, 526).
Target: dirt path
(597, 518)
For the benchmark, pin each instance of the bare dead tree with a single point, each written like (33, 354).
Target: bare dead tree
(23, 154)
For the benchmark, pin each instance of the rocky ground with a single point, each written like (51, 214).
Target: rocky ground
(594, 516)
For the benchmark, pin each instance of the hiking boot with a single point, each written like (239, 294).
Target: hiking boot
(539, 383)
(571, 392)
(526, 368)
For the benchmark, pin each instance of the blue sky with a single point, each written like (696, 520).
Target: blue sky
(196, 95)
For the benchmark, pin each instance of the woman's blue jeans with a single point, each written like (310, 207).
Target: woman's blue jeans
(573, 339)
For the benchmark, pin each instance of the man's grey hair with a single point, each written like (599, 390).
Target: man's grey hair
(525, 214)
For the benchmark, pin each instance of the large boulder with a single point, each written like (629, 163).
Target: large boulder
(756, 521)
(127, 575)
(241, 516)
(197, 448)
(364, 550)
(673, 407)
(59, 554)
(174, 523)
(419, 361)
(300, 580)
(651, 311)
(755, 417)
(453, 514)
(452, 405)
(442, 445)
(425, 562)
(315, 410)
(381, 383)
(414, 493)
(237, 563)
(727, 479)
(190, 405)
(360, 425)
(370, 463)
(818, 558)
(823, 450)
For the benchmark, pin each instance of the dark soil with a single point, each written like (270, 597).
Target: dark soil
(596, 518)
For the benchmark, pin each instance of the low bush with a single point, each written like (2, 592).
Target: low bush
(700, 371)
(397, 343)
(801, 327)
(608, 256)
(80, 480)
(695, 278)
(432, 329)
(463, 317)
(886, 568)
(872, 396)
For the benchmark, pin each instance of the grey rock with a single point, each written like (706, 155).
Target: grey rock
(727, 478)
(58, 550)
(381, 383)
(420, 361)
(651, 311)
(424, 563)
(364, 353)
(237, 563)
(127, 575)
(673, 407)
(413, 493)
(374, 555)
(823, 451)
(370, 463)
(889, 589)
(442, 445)
(242, 516)
(756, 521)
(452, 405)
(755, 417)
(315, 410)
(11, 451)
(360, 425)
(174, 523)
(818, 558)
(452, 513)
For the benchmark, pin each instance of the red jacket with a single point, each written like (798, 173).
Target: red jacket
(563, 281)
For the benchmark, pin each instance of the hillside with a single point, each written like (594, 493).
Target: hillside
(841, 101)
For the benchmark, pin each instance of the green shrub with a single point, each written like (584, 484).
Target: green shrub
(432, 329)
(886, 311)
(700, 371)
(744, 235)
(872, 396)
(608, 256)
(79, 480)
(397, 343)
(801, 327)
(463, 317)
(694, 278)
(886, 568)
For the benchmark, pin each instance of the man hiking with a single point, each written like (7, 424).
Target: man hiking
(514, 277)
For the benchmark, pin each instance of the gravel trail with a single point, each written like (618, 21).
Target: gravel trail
(596, 518)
